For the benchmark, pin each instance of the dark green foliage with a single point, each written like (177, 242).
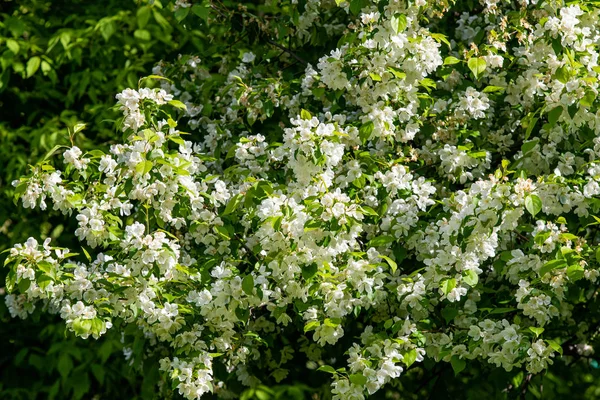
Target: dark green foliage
(61, 63)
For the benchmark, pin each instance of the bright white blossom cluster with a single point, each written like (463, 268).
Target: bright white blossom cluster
(430, 193)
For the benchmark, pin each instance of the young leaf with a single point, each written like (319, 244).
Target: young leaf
(533, 204)
(248, 284)
(477, 66)
(458, 364)
(399, 23)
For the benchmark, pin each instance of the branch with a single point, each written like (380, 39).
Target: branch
(525, 385)
(291, 53)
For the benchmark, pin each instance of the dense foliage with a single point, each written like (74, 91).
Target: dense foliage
(61, 63)
(338, 199)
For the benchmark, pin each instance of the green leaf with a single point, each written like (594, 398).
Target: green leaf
(552, 265)
(449, 313)
(33, 65)
(142, 34)
(98, 372)
(248, 284)
(356, 6)
(396, 72)
(477, 66)
(242, 314)
(201, 11)
(375, 77)
(410, 357)
(87, 255)
(399, 23)
(311, 326)
(555, 346)
(81, 326)
(502, 310)
(181, 13)
(304, 114)
(554, 115)
(44, 266)
(23, 285)
(64, 365)
(143, 16)
(358, 379)
(232, 204)
(178, 104)
(13, 46)
(364, 132)
(537, 331)
(450, 60)
(392, 263)
(529, 123)
(533, 204)
(327, 368)
(309, 271)
(562, 74)
(222, 231)
(366, 210)
(526, 147)
(588, 99)
(575, 272)
(493, 89)
(458, 364)
(470, 277)
(448, 285)
(441, 38)
(381, 241)
(143, 167)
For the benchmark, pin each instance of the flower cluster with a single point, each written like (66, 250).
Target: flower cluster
(422, 192)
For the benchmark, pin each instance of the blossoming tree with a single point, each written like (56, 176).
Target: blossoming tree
(425, 192)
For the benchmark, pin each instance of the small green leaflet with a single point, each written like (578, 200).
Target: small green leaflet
(528, 146)
(248, 284)
(201, 11)
(410, 357)
(493, 89)
(554, 115)
(392, 263)
(477, 66)
(451, 60)
(399, 23)
(552, 265)
(458, 364)
(375, 77)
(555, 346)
(311, 326)
(562, 74)
(448, 285)
(470, 277)
(178, 104)
(304, 114)
(449, 313)
(33, 65)
(364, 132)
(233, 204)
(575, 272)
(326, 368)
(143, 167)
(358, 379)
(533, 204)
(381, 240)
(537, 331)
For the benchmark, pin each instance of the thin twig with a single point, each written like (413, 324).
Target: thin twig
(525, 385)
(291, 53)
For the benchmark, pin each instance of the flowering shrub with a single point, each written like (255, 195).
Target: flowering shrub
(426, 191)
